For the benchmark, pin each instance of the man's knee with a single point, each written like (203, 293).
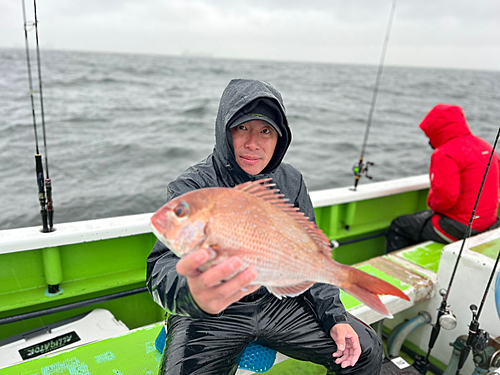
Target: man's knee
(405, 230)
(372, 350)
(373, 347)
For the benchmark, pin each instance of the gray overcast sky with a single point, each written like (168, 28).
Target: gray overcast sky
(426, 33)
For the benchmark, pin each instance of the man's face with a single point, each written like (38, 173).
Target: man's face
(254, 143)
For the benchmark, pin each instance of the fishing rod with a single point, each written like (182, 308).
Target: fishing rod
(445, 317)
(477, 339)
(361, 168)
(44, 184)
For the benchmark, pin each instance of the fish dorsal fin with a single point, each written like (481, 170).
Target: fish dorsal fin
(259, 188)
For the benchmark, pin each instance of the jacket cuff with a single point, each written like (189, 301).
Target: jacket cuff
(324, 300)
(186, 305)
(169, 289)
(342, 318)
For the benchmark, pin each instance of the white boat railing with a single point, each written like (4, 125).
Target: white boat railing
(328, 197)
(22, 239)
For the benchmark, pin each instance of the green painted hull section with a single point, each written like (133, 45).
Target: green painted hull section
(89, 270)
(352, 220)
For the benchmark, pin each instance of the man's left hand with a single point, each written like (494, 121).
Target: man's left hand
(348, 347)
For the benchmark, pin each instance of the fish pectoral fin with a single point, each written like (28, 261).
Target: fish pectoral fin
(212, 250)
(213, 258)
(211, 247)
(289, 290)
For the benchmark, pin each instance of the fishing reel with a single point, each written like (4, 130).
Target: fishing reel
(448, 319)
(479, 338)
(360, 168)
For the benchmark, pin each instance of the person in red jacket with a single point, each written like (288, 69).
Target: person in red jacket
(456, 172)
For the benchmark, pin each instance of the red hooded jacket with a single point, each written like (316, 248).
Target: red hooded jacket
(457, 170)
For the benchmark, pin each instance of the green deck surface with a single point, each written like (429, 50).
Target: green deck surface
(426, 256)
(132, 353)
(489, 249)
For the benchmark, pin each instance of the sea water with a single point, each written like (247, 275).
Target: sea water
(119, 127)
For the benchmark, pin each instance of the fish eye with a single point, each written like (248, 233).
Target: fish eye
(181, 210)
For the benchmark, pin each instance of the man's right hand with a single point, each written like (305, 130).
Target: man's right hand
(210, 293)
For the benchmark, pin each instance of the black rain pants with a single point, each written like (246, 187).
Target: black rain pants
(408, 230)
(214, 345)
(415, 228)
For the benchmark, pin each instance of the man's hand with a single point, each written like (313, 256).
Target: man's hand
(208, 291)
(348, 347)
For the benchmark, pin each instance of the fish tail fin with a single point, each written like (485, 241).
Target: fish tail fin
(366, 288)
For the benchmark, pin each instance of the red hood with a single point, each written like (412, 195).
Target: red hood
(443, 123)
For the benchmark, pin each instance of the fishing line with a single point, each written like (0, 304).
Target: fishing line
(360, 168)
(421, 363)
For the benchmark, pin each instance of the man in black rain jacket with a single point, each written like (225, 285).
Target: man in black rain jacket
(211, 321)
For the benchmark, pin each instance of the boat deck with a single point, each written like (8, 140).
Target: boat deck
(413, 270)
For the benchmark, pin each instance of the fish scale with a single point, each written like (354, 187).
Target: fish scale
(275, 236)
(256, 223)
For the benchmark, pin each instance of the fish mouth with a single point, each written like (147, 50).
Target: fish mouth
(162, 238)
(157, 233)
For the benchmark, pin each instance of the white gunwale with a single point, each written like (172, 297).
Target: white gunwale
(23, 239)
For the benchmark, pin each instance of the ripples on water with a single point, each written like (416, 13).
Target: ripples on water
(120, 127)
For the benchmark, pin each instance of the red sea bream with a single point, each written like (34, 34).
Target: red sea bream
(255, 222)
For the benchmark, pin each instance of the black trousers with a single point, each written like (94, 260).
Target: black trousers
(410, 230)
(214, 345)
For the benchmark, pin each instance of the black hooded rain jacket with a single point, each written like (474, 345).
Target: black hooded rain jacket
(220, 169)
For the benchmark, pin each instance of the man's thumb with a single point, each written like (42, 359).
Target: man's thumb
(340, 344)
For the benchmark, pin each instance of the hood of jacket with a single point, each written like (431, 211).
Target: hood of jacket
(443, 123)
(237, 95)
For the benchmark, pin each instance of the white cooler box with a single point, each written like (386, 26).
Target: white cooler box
(82, 329)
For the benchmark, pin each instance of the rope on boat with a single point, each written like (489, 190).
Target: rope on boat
(360, 168)
(44, 184)
(422, 364)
